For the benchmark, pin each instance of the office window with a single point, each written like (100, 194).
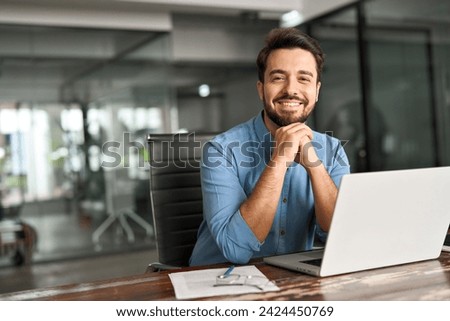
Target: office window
(39, 152)
(408, 68)
(387, 64)
(400, 111)
(339, 110)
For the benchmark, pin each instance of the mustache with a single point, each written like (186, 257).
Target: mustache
(293, 97)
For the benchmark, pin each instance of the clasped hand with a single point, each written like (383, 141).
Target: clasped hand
(294, 143)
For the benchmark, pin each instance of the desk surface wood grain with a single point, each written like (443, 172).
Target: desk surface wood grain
(426, 280)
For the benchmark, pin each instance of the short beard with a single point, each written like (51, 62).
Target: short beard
(281, 121)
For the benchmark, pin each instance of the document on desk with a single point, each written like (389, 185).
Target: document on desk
(204, 283)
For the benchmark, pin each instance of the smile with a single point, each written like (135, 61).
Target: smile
(290, 103)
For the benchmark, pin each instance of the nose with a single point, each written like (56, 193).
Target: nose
(291, 87)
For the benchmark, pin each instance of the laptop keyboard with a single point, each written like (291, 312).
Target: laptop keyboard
(316, 262)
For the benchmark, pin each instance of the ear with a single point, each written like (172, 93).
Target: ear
(318, 90)
(260, 88)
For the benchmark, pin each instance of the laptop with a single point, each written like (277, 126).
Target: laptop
(446, 246)
(380, 219)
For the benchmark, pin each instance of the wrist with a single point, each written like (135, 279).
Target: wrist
(312, 164)
(314, 167)
(280, 162)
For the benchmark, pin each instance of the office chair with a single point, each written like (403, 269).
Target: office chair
(176, 196)
(120, 204)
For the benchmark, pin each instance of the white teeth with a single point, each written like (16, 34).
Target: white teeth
(291, 104)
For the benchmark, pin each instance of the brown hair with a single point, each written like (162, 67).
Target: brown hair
(288, 38)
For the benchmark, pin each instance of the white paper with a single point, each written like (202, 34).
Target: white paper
(197, 284)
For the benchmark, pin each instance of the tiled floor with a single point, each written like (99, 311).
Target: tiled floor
(65, 252)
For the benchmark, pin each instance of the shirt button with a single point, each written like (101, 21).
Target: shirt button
(284, 200)
(282, 232)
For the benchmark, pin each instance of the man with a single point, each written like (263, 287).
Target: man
(269, 184)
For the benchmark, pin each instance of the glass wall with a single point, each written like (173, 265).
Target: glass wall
(339, 110)
(65, 94)
(39, 151)
(400, 94)
(385, 84)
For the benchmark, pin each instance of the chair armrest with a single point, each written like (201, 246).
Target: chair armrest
(156, 267)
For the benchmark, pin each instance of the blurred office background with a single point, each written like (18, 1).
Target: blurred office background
(79, 76)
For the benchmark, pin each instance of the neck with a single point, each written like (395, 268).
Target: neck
(271, 126)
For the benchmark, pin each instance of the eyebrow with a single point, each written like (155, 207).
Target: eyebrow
(281, 71)
(306, 72)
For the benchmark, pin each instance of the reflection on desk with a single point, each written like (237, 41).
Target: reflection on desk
(427, 280)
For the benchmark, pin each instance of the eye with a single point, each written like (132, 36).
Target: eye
(304, 79)
(277, 78)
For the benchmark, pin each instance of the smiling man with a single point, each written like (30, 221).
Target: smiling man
(270, 184)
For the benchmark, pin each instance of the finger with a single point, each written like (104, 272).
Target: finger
(297, 127)
(301, 132)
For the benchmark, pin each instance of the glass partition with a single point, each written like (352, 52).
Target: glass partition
(400, 95)
(40, 151)
(339, 109)
(65, 93)
(385, 88)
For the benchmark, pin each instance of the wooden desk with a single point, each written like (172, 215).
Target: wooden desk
(427, 280)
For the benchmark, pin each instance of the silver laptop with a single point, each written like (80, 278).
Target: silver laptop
(381, 219)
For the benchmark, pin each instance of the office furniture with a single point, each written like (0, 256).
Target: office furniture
(426, 280)
(176, 196)
(18, 240)
(119, 199)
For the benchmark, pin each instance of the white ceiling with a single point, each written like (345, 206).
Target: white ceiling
(148, 14)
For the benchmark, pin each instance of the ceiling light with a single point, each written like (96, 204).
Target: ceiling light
(203, 90)
(291, 19)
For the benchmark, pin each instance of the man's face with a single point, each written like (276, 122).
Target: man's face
(290, 89)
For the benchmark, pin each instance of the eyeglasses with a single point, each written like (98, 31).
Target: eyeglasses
(257, 281)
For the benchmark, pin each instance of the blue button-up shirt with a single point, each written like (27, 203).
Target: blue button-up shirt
(231, 166)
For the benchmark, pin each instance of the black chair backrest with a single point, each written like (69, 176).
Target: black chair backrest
(175, 193)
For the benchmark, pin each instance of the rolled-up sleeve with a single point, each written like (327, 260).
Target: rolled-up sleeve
(339, 163)
(337, 166)
(222, 198)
